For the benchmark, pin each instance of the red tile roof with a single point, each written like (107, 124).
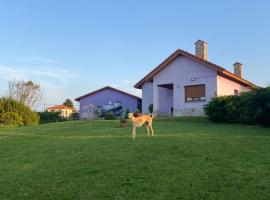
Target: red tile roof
(105, 88)
(220, 70)
(60, 107)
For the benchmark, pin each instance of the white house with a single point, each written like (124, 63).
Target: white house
(183, 83)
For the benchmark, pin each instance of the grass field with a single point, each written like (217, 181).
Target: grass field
(189, 158)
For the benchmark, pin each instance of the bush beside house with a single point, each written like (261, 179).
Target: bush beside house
(252, 107)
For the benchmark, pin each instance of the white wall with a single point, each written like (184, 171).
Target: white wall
(182, 72)
(147, 96)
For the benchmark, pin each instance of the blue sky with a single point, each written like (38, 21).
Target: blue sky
(74, 47)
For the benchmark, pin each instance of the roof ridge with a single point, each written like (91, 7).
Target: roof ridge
(59, 107)
(175, 54)
(104, 88)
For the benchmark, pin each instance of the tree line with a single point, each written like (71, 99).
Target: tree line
(18, 106)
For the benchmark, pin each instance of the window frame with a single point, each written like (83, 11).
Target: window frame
(236, 92)
(195, 99)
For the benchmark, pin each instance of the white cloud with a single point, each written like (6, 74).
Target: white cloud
(35, 59)
(126, 81)
(56, 74)
(59, 83)
(55, 81)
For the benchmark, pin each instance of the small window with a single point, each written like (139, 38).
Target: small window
(236, 92)
(195, 93)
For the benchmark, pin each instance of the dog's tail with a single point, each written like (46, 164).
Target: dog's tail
(152, 115)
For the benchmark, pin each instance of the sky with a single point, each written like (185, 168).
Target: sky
(72, 47)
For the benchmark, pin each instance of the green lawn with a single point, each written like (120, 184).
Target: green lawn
(189, 158)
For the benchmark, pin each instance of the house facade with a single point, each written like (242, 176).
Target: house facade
(106, 97)
(183, 83)
(64, 111)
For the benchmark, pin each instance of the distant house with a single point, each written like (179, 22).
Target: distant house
(63, 110)
(183, 83)
(106, 97)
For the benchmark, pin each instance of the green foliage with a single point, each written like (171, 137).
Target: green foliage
(11, 119)
(15, 113)
(150, 108)
(68, 103)
(48, 117)
(137, 113)
(257, 106)
(223, 109)
(252, 107)
(75, 116)
(110, 116)
(126, 114)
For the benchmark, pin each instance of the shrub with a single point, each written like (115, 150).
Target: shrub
(20, 112)
(150, 108)
(257, 106)
(11, 119)
(109, 116)
(127, 112)
(216, 109)
(224, 109)
(30, 118)
(75, 116)
(137, 113)
(252, 107)
(48, 117)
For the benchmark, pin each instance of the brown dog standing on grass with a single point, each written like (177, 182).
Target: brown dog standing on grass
(139, 121)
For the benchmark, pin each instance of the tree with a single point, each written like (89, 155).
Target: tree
(28, 92)
(68, 103)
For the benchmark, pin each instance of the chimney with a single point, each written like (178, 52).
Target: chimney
(238, 69)
(201, 49)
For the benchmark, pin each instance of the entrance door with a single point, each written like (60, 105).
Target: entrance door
(165, 94)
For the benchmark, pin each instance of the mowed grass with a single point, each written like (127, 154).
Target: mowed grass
(189, 158)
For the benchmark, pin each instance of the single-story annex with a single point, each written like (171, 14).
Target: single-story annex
(107, 98)
(183, 83)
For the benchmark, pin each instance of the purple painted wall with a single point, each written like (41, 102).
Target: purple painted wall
(103, 98)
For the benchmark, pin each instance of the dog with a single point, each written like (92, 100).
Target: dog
(139, 121)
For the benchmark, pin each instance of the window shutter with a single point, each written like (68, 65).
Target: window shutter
(195, 91)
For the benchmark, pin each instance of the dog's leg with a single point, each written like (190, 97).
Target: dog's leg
(147, 127)
(134, 132)
(152, 130)
(151, 127)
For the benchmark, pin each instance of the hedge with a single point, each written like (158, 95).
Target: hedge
(251, 107)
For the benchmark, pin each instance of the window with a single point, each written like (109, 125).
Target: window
(194, 93)
(236, 92)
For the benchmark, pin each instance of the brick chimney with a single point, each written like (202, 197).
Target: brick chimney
(238, 69)
(201, 49)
